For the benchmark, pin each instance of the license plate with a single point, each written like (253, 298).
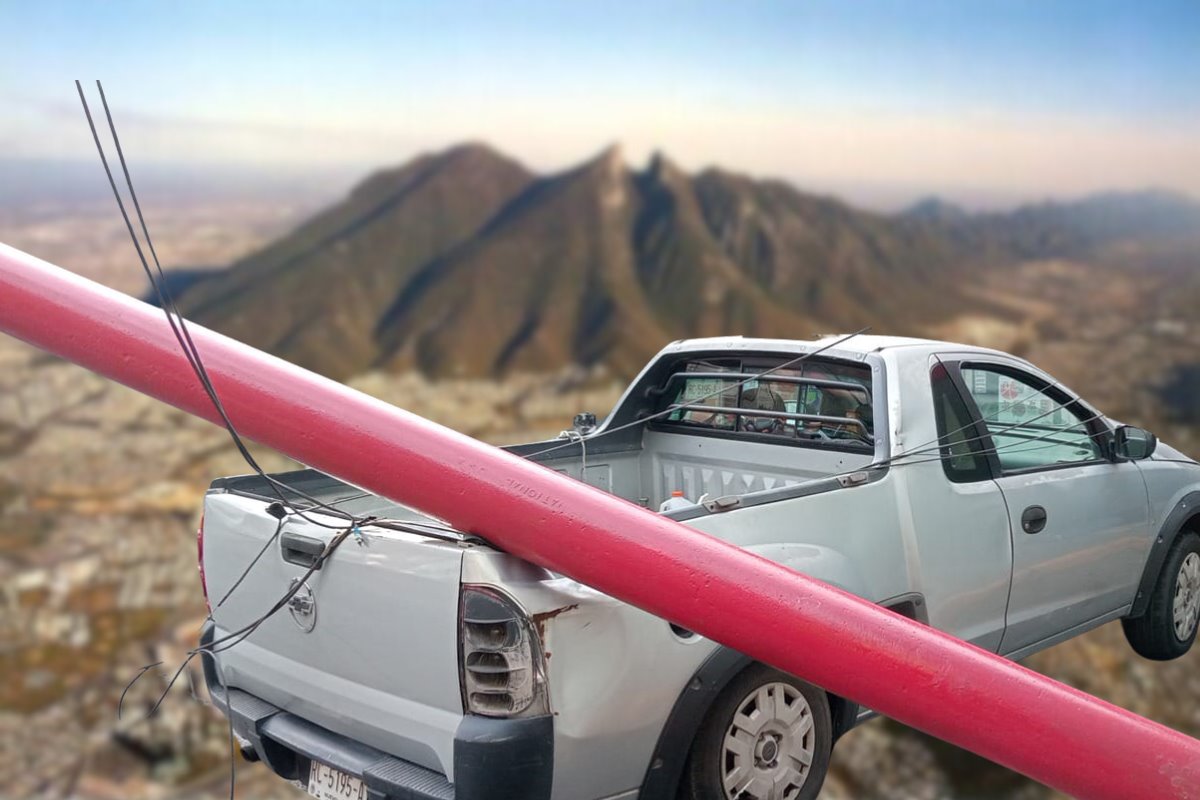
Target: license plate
(328, 783)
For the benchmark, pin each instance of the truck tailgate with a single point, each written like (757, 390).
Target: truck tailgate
(380, 663)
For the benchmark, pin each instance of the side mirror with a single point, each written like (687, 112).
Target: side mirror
(1133, 444)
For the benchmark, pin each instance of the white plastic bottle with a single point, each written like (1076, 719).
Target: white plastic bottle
(675, 501)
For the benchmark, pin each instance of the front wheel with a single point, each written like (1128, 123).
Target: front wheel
(1168, 627)
(768, 736)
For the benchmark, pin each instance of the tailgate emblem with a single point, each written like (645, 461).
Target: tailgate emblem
(303, 606)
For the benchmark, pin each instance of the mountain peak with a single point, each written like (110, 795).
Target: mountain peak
(614, 154)
(608, 172)
(664, 170)
(469, 162)
(934, 209)
(473, 151)
(609, 162)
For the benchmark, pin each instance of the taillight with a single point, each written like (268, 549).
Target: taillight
(200, 562)
(500, 657)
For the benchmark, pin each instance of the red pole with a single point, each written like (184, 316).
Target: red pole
(919, 676)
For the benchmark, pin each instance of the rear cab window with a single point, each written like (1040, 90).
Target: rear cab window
(818, 403)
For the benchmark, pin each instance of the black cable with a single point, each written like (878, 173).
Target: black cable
(192, 355)
(942, 440)
(916, 451)
(167, 303)
(246, 571)
(128, 686)
(898, 460)
(235, 637)
(229, 722)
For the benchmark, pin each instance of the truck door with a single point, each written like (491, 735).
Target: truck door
(1078, 520)
(960, 521)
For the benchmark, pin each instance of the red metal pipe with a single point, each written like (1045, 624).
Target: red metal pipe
(919, 676)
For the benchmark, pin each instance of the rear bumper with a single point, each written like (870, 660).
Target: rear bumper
(496, 759)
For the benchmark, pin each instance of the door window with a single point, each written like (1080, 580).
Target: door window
(962, 451)
(1031, 425)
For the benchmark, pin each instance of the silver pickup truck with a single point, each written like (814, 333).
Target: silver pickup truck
(959, 486)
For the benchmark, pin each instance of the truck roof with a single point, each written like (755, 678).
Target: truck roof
(855, 346)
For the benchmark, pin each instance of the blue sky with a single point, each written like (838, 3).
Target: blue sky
(1013, 99)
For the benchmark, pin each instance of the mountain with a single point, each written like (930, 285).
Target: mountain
(598, 263)
(1088, 225)
(818, 256)
(316, 295)
(1075, 229)
(465, 263)
(549, 280)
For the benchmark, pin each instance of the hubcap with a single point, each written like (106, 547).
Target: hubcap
(769, 744)
(1186, 608)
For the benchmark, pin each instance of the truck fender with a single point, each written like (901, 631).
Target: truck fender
(675, 741)
(1183, 517)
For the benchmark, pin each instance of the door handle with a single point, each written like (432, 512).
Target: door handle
(302, 551)
(1033, 519)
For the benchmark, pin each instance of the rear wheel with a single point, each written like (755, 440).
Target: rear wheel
(768, 736)
(1168, 627)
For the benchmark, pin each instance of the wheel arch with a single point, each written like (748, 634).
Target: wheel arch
(1184, 518)
(706, 684)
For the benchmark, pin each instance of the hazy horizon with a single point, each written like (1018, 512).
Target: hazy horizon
(988, 105)
(81, 180)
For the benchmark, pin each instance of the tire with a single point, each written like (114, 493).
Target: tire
(772, 746)
(1168, 627)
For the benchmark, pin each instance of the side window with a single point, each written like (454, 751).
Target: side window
(1029, 427)
(962, 452)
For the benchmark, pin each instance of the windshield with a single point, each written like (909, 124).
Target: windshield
(817, 402)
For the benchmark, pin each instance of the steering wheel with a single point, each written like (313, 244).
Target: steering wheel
(761, 424)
